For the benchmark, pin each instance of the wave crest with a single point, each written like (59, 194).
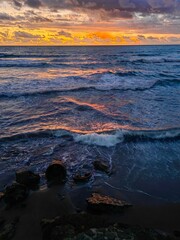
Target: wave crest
(106, 139)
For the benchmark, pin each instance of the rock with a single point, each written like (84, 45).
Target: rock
(101, 166)
(56, 172)
(149, 234)
(97, 227)
(15, 193)
(78, 227)
(82, 177)
(102, 203)
(83, 236)
(120, 233)
(28, 178)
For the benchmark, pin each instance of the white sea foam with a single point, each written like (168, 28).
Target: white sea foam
(106, 140)
(111, 139)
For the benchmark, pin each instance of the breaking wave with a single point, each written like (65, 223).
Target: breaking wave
(106, 139)
(109, 140)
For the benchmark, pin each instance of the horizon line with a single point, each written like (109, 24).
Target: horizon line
(102, 45)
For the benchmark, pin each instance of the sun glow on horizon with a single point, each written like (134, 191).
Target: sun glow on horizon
(38, 22)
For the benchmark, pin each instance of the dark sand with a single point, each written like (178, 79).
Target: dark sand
(50, 203)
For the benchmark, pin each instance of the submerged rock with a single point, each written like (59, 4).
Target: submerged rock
(28, 178)
(102, 203)
(82, 177)
(56, 172)
(15, 193)
(101, 166)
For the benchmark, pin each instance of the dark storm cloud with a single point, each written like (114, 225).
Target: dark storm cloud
(116, 13)
(126, 6)
(65, 34)
(152, 38)
(21, 34)
(6, 17)
(33, 3)
(39, 19)
(144, 6)
(17, 4)
(141, 37)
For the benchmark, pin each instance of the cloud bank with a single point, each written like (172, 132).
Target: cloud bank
(90, 21)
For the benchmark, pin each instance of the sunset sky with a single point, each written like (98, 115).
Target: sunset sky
(89, 22)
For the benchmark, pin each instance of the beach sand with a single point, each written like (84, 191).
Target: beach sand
(52, 202)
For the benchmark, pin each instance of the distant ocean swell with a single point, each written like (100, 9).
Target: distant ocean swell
(96, 86)
(8, 55)
(30, 64)
(57, 61)
(158, 60)
(106, 139)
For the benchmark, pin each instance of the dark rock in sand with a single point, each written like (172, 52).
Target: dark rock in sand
(28, 178)
(120, 233)
(82, 177)
(15, 193)
(141, 233)
(85, 226)
(101, 166)
(56, 172)
(104, 204)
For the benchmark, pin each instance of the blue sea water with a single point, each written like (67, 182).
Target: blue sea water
(120, 104)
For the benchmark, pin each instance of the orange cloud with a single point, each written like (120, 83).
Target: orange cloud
(101, 35)
(53, 36)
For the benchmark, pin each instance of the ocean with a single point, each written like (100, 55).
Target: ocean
(120, 104)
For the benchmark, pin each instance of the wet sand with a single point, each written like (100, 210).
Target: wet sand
(52, 202)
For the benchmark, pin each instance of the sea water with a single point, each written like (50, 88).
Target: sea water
(77, 104)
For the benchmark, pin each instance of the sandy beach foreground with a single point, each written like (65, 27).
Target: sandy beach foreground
(52, 202)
